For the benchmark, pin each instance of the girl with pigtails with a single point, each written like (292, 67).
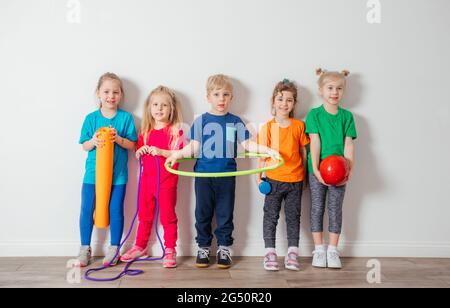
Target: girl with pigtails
(331, 130)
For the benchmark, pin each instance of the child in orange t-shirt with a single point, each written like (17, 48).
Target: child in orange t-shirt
(286, 135)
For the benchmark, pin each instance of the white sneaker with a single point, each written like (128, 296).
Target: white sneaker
(319, 258)
(84, 257)
(112, 256)
(333, 259)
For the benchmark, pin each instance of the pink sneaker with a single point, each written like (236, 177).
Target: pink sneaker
(170, 258)
(271, 262)
(291, 262)
(134, 253)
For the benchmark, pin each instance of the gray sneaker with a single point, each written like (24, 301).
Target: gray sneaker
(112, 256)
(84, 257)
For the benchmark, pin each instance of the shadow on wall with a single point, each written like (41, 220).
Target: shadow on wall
(305, 103)
(243, 202)
(185, 204)
(241, 98)
(132, 98)
(305, 99)
(366, 178)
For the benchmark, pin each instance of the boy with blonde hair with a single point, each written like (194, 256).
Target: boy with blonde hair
(214, 138)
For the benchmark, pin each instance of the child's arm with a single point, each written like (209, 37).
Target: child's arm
(122, 142)
(160, 152)
(93, 143)
(125, 143)
(349, 154)
(253, 147)
(260, 164)
(304, 155)
(315, 156)
(190, 150)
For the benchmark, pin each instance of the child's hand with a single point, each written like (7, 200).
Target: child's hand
(172, 159)
(319, 178)
(142, 151)
(98, 143)
(155, 151)
(114, 136)
(258, 180)
(348, 178)
(273, 154)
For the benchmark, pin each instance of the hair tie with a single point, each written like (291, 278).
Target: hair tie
(286, 81)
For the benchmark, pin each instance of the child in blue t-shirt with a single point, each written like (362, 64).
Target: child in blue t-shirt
(110, 93)
(214, 139)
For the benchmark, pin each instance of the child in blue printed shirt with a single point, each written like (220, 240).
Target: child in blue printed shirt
(214, 138)
(110, 93)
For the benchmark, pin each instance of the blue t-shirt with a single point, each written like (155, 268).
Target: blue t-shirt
(218, 136)
(124, 124)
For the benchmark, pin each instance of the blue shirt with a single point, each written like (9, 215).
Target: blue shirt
(218, 136)
(124, 124)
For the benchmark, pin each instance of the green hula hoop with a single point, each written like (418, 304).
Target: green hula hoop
(227, 174)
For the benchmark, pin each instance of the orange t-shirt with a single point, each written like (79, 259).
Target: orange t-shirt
(288, 142)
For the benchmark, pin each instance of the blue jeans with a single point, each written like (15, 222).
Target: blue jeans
(214, 195)
(116, 215)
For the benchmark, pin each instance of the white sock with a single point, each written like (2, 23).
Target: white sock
(225, 247)
(271, 250)
(293, 249)
(332, 248)
(320, 247)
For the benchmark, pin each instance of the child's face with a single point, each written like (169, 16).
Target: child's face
(110, 94)
(284, 104)
(160, 107)
(333, 91)
(220, 100)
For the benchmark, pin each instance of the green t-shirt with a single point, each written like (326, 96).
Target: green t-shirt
(332, 130)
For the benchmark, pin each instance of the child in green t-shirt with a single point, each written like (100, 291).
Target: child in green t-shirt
(332, 131)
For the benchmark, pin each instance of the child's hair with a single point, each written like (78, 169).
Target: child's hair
(326, 75)
(175, 118)
(218, 82)
(285, 85)
(110, 76)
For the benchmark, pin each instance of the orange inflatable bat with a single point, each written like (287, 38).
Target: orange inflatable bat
(103, 178)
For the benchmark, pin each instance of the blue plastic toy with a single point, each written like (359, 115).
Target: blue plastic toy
(265, 187)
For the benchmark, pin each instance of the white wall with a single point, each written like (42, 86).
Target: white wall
(398, 203)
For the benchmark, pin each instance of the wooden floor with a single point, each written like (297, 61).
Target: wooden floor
(247, 272)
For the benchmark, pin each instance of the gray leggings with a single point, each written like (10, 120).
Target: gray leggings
(334, 204)
(291, 193)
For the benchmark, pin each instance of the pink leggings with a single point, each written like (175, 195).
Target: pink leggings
(168, 216)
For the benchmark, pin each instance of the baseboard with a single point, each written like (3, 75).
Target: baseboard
(255, 248)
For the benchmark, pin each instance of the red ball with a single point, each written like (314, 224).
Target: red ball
(335, 170)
